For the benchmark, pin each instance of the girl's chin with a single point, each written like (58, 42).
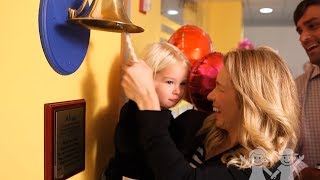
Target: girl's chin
(166, 107)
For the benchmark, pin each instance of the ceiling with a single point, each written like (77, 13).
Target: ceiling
(282, 11)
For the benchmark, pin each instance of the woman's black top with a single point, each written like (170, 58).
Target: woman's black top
(153, 145)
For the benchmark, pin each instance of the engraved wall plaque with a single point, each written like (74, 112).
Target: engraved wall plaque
(64, 139)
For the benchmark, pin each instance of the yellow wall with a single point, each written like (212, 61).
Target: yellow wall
(28, 82)
(222, 19)
(151, 22)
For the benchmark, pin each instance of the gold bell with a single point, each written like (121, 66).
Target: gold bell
(105, 15)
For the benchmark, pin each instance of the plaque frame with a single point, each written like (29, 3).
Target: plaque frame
(53, 129)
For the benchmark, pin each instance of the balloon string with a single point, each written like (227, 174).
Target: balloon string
(131, 50)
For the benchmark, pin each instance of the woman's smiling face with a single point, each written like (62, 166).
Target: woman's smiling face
(225, 106)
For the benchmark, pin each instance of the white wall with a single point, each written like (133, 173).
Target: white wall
(284, 39)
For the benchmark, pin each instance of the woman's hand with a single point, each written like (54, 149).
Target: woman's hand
(138, 85)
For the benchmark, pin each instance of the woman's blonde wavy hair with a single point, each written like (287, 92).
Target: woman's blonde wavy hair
(267, 96)
(161, 55)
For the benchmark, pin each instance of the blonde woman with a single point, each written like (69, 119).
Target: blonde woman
(170, 70)
(255, 105)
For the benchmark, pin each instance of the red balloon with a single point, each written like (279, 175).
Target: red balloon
(202, 80)
(192, 41)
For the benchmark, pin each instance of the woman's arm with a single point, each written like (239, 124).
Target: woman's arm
(166, 161)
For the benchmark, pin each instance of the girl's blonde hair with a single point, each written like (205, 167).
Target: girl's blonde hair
(267, 96)
(160, 55)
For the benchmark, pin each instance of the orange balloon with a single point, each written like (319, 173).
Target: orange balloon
(192, 41)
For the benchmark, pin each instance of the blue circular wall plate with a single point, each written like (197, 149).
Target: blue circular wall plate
(65, 45)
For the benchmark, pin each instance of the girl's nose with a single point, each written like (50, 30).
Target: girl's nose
(177, 90)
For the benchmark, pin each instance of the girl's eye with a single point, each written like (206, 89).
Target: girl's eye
(183, 83)
(169, 82)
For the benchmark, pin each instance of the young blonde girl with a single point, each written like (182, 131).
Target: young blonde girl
(170, 69)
